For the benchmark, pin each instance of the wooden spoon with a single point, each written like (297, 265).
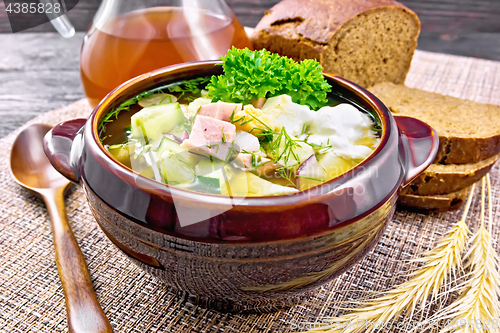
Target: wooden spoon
(32, 170)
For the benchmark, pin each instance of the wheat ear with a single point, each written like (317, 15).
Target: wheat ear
(477, 309)
(425, 281)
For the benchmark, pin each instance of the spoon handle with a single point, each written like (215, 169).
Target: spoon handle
(83, 309)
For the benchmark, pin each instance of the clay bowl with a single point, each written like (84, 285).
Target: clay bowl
(256, 253)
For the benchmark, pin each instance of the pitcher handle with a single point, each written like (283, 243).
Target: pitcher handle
(61, 23)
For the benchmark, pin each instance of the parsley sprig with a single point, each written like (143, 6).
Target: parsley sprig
(250, 75)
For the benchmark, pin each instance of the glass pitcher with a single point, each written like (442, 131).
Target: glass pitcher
(132, 37)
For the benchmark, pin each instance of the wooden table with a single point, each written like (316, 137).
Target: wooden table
(39, 72)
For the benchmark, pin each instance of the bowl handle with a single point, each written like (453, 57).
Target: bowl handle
(57, 145)
(418, 145)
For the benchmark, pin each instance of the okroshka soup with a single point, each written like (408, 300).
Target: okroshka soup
(267, 126)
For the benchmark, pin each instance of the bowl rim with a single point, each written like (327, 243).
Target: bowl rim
(161, 189)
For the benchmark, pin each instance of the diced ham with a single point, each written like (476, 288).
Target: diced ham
(244, 160)
(264, 167)
(211, 136)
(226, 110)
(206, 130)
(258, 104)
(209, 110)
(220, 110)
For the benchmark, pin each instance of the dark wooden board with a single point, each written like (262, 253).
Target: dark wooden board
(248, 12)
(437, 16)
(35, 93)
(38, 73)
(457, 16)
(472, 44)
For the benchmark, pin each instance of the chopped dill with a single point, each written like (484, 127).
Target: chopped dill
(193, 87)
(319, 147)
(231, 152)
(125, 106)
(256, 161)
(246, 122)
(282, 147)
(260, 121)
(214, 145)
(231, 118)
(237, 120)
(164, 98)
(120, 145)
(303, 131)
(286, 173)
(311, 178)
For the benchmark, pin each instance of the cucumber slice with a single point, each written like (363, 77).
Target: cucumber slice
(204, 184)
(219, 171)
(151, 122)
(209, 181)
(157, 99)
(206, 166)
(167, 144)
(168, 147)
(176, 171)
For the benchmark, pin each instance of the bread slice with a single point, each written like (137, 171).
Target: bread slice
(442, 179)
(468, 131)
(433, 203)
(364, 41)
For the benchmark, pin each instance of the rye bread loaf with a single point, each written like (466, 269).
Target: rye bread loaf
(433, 203)
(469, 132)
(442, 178)
(364, 41)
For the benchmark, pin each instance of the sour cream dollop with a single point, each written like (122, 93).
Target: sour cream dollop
(341, 126)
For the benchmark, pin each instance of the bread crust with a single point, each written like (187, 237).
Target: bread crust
(433, 203)
(456, 150)
(455, 146)
(318, 20)
(442, 179)
(311, 29)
